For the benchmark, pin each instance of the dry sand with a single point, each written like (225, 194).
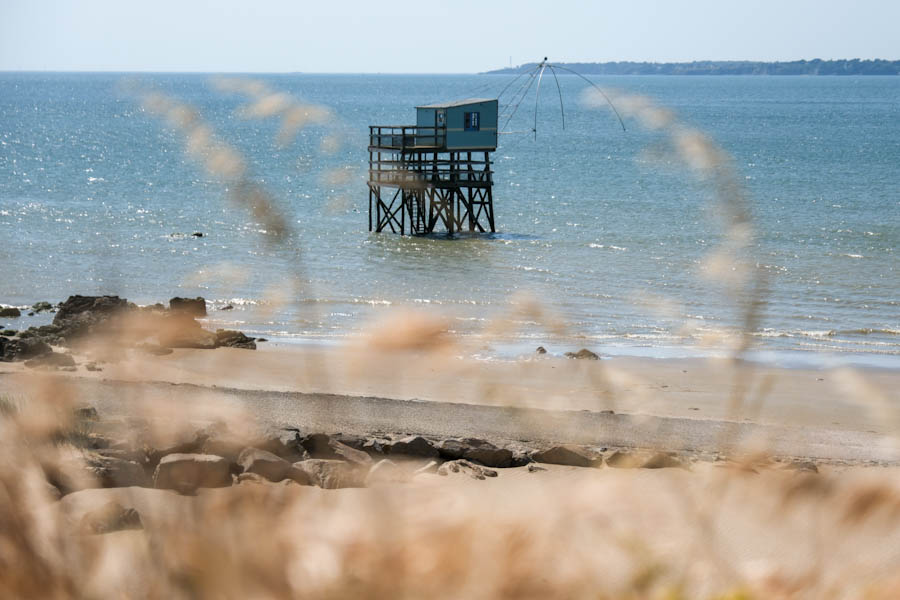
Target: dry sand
(702, 405)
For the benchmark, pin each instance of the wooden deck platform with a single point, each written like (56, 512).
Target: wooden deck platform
(415, 185)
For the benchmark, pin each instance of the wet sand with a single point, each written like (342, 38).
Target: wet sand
(692, 406)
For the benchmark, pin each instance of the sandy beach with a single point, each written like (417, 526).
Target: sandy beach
(705, 406)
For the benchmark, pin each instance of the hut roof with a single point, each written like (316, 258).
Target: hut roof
(458, 103)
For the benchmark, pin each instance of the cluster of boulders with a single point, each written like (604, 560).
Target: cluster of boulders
(14, 313)
(217, 457)
(117, 322)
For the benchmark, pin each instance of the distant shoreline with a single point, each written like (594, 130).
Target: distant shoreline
(724, 67)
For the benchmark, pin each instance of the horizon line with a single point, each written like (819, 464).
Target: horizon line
(488, 71)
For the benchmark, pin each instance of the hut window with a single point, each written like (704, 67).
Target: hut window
(472, 121)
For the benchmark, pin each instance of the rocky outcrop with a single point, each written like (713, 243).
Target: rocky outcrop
(155, 329)
(40, 307)
(10, 312)
(234, 339)
(79, 316)
(195, 307)
(185, 473)
(91, 305)
(22, 349)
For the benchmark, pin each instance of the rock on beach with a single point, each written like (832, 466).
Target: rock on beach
(264, 464)
(477, 450)
(573, 456)
(234, 339)
(414, 445)
(195, 307)
(187, 472)
(155, 328)
(22, 348)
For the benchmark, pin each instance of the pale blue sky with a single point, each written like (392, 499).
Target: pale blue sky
(405, 36)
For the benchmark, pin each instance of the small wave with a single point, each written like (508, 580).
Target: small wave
(854, 350)
(610, 246)
(369, 301)
(824, 333)
(853, 255)
(219, 303)
(776, 333)
(530, 269)
(870, 331)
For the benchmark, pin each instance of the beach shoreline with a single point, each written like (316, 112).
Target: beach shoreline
(710, 407)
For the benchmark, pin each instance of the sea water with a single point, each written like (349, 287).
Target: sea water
(594, 225)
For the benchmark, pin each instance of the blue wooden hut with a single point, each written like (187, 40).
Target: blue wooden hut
(462, 125)
(437, 171)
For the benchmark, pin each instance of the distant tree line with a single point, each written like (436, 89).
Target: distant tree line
(816, 66)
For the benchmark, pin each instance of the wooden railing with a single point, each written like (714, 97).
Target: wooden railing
(406, 137)
(410, 173)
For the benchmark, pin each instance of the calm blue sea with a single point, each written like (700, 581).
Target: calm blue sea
(97, 196)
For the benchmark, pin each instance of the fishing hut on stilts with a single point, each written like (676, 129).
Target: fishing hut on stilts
(434, 173)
